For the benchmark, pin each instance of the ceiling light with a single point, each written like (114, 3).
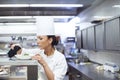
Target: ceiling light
(14, 5)
(19, 24)
(41, 5)
(63, 16)
(16, 17)
(55, 16)
(102, 17)
(56, 5)
(116, 6)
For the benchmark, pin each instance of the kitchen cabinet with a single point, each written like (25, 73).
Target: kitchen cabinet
(74, 74)
(90, 38)
(103, 36)
(99, 36)
(112, 34)
(84, 38)
(78, 39)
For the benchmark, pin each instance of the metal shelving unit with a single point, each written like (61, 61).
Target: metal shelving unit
(19, 69)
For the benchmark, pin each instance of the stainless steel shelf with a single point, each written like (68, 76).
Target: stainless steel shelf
(16, 65)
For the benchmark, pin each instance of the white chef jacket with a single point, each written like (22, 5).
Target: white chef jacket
(56, 62)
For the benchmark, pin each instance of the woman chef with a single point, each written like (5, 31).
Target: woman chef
(52, 63)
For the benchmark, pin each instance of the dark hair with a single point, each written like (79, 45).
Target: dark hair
(55, 41)
(13, 52)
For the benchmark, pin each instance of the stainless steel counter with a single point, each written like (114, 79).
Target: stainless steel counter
(89, 72)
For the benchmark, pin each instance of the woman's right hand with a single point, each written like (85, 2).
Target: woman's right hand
(13, 45)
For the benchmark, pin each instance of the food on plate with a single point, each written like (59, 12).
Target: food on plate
(23, 56)
(26, 54)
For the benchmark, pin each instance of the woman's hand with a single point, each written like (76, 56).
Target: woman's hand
(39, 58)
(13, 45)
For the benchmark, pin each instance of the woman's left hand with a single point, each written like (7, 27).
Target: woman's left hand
(39, 58)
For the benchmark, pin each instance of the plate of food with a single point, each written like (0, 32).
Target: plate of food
(25, 56)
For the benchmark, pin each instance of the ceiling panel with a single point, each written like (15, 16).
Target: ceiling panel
(85, 2)
(44, 11)
(56, 11)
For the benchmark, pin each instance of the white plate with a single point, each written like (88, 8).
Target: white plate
(3, 53)
(23, 57)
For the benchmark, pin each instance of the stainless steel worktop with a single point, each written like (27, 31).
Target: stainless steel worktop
(90, 72)
(6, 60)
